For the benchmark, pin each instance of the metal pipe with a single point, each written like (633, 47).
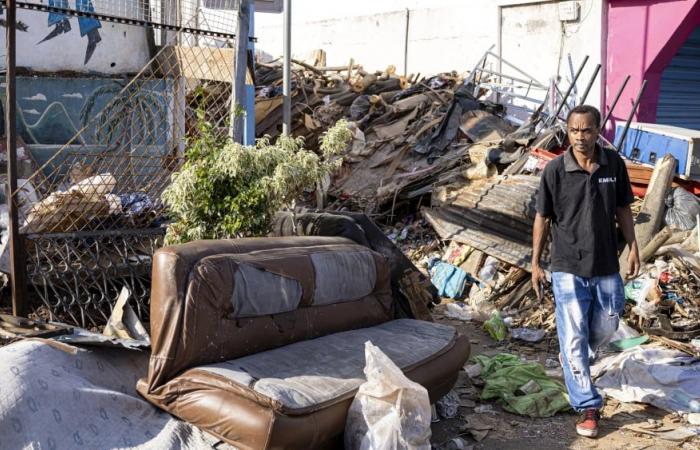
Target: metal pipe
(17, 266)
(405, 44)
(516, 68)
(629, 118)
(590, 84)
(614, 103)
(510, 77)
(568, 91)
(287, 70)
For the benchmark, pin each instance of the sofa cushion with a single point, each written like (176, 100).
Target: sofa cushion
(305, 376)
(258, 292)
(343, 276)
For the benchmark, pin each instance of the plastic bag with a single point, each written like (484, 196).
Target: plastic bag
(682, 209)
(360, 107)
(638, 290)
(496, 327)
(389, 412)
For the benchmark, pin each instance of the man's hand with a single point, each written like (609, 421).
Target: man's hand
(538, 279)
(540, 231)
(633, 263)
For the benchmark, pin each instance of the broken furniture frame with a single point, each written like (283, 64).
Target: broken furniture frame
(507, 85)
(99, 217)
(511, 84)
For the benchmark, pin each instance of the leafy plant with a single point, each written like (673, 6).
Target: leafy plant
(227, 190)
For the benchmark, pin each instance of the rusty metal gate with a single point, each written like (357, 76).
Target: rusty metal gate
(89, 216)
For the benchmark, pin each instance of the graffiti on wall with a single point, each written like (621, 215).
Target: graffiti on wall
(59, 39)
(89, 26)
(21, 26)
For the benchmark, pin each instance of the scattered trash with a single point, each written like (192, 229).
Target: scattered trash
(478, 425)
(473, 370)
(489, 270)
(456, 444)
(124, 323)
(551, 363)
(448, 406)
(467, 403)
(530, 387)
(527, 334)
(389, 410)
(695, 343)
(485, 409)
(627, 343)
(496, 327)
(680, 434)
(459, 310)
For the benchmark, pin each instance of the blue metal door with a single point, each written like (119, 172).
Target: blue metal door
(679, 96)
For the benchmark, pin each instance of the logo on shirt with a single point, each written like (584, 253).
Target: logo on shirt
(607, 180)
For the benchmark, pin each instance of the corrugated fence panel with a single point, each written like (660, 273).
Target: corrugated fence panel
(679, 96)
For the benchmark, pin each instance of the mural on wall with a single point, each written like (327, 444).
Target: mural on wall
(21, 26)
(52, 111)
(60, 22)
(88, 26)
(58, 40)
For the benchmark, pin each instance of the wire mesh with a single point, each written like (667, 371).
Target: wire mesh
(217, 14)
(98, 216)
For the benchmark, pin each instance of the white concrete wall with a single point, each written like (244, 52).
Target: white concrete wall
(443, 35)
(534, 40)
(122, 49)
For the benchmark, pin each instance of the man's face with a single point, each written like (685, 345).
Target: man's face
(583, 132)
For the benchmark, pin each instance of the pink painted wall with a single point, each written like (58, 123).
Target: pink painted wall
(642, 38)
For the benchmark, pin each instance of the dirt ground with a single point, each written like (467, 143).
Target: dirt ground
(512, 431)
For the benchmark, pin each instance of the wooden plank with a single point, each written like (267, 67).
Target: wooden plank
(206, 63)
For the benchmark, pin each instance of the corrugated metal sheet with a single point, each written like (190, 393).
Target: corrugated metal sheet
(495, 218)
(679, 96)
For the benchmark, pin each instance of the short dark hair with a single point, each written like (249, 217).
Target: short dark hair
(585, 109)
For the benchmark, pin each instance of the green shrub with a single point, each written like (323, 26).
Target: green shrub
(228, 190)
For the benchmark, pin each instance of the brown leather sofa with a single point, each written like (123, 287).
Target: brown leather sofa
(261, 341)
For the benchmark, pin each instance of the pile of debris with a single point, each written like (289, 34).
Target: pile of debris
(408, 132)
(440, 135)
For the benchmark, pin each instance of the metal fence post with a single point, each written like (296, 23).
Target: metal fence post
(17, 265)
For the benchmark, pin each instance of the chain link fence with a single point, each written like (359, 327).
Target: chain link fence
(91, 216)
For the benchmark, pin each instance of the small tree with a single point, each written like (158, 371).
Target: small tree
(228, 190)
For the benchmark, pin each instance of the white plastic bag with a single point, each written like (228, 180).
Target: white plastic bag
(389, 412)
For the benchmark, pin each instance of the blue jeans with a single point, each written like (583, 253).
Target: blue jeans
(587, 312)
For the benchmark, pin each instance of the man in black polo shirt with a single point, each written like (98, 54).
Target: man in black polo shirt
(582, 194)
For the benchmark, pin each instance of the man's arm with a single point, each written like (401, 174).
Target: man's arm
(624, 218)
(540, 231)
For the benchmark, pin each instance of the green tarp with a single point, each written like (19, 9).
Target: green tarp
(523, 388)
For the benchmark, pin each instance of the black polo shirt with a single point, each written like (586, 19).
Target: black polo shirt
(581, 207)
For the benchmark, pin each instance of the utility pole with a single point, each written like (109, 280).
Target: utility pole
(238, 99)
(287, 70)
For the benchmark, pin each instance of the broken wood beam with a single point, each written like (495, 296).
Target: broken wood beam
(651, 215)
(653, 245)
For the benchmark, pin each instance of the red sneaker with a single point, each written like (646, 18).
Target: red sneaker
(587, 425)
